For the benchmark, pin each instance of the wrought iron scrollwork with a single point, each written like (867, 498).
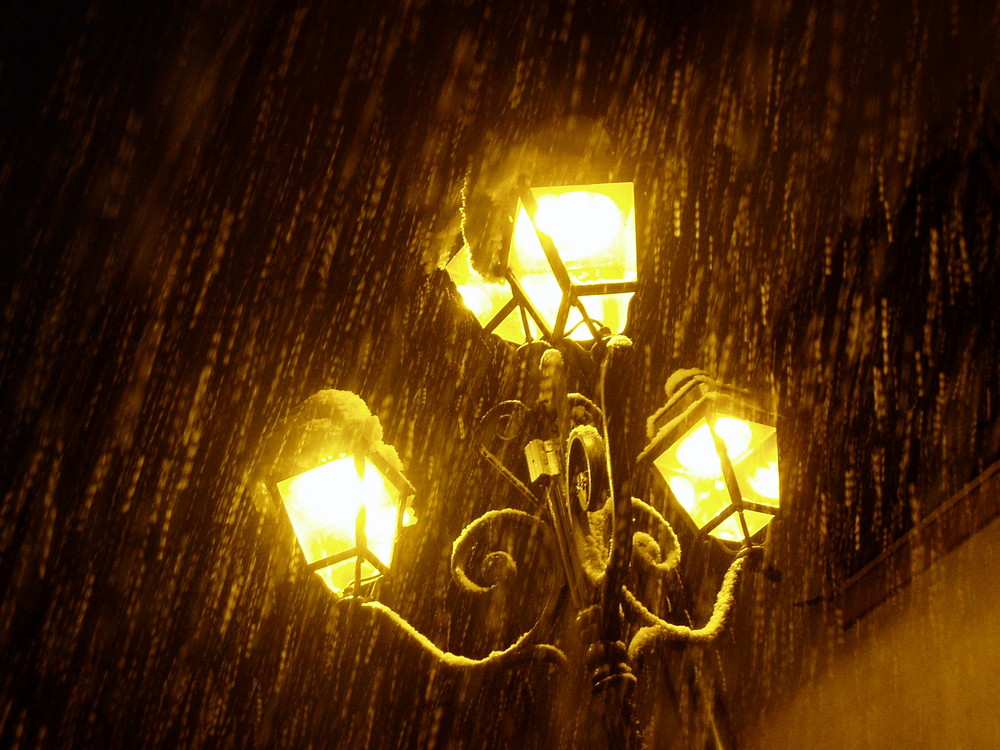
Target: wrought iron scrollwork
(655, 629)
(497, 430)
(494, 528)
(483, 557)
(656, 550)
(607, 541)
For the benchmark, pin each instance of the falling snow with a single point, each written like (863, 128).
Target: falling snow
(212, 212)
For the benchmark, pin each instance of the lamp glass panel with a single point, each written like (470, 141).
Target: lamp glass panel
(730, 530)
(693, 471)
(323, 504)
(485, 300)
(757, 473)
(592, 226)
(339, 576)
(593, 229)
(610, 310)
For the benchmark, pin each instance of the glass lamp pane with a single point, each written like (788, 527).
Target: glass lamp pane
(758, 473)
(485, 300)
(323, 504)
(592, 226)
(609, 309)
(693, 471)
(731, 530)
(340, 576)
(593, 229)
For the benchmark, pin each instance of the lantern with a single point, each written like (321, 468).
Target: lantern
(347, 511)
(716, 450)
(570, 267)
(348, 508)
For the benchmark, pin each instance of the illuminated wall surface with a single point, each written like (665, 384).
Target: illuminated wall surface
(919, 671)
(210, 212)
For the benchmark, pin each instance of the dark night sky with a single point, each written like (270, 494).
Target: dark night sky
(210, 212)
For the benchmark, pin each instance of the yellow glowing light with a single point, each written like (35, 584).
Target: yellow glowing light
(585, 227)
(732, 531)
(544, 292)
(323, 506)
(485, 300)
(478, 301)
(684, 491)
(702, 502)
(693, 471)
(764, 481)
(697, 452)
(592, 228)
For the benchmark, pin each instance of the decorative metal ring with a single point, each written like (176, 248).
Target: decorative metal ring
(587, 471)
(503, 422)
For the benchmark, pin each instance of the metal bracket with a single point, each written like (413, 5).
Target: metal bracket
(543, 458)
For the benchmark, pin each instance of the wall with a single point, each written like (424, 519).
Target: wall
(920, 670)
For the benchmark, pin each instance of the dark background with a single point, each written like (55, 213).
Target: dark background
(211, 211)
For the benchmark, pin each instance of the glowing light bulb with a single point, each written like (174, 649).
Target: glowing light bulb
(697, 453)
(586, 228)
(583, 225)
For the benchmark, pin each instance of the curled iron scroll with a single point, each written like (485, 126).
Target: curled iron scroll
(497, 429)
(655, 547)
(496, 531)
(483, 557)
(501, 424)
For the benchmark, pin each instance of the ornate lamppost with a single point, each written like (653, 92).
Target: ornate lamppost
(567, 277)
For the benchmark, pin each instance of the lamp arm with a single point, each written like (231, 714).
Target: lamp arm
(523, 650)
(494, 567)
(482, 559)
(658, 630)
(497, 565)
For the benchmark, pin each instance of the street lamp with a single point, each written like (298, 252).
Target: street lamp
(712, 446)
(571, 292)
(716, 449)
(349, 504)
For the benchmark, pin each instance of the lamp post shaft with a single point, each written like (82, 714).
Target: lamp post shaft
(613, 392)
